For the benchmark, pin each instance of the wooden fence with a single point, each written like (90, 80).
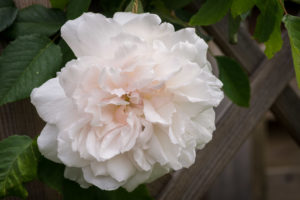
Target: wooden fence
(270, 89)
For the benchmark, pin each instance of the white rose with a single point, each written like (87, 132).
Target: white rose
(136, 103)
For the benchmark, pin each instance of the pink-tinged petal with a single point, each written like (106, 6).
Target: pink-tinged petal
(199, 90)
(111, 144)
(120, 167)
(47, 142)
(70, 77)
(99, 168)
(66, 153)
(140, 159)
(156, 151)
(193, 52)
(89, 34)
(171, 151)
(103, 182)
(139, 178)
(50, 100)
(187, 156)
(159, 110)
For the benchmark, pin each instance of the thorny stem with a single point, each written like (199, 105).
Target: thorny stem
(282, 5)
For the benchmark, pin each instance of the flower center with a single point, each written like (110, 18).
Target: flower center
(133, 98)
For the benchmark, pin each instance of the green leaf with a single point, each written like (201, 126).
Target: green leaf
(26, 63)
(210, 12)
(37, 19)
(75, 8)
(266, 21)
(135, 6)
(18, 164)
(52, 174)
(166, 14)
(234, 25)
(176, 4)
(202, 35)
(239, 7)
(66, 51)
(292, 24)
(274, 43)
(235, 80)
(61, 4)
(8, 13)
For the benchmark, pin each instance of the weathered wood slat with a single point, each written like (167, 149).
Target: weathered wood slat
(236, 176)
(247, 52)
(250, 61)
(287, 110)
(267, 83)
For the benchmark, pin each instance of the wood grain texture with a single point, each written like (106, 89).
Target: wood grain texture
(249, 60)
(287, 110)
(246, 51)
(236, 176)
(233, 128)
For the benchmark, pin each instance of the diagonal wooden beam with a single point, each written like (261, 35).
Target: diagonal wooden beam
(287, 106)
(267, 82)
(287, 110)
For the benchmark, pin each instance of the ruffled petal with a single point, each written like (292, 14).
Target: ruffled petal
(66, 153)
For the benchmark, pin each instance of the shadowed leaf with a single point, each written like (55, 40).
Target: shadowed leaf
(235, 80)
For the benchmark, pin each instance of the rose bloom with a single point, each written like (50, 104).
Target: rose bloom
(135, 104)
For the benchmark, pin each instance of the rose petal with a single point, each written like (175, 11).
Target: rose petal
(120, 168)
(88, 35)
(47, 142)
(103, 182)
(49, 99)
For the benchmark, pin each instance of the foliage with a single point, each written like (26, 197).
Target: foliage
(27, 62)
(292, 24)
(37, 19)
(76, 7)
(59, 3)
(8, 13)
(235, 80)
(210, 12)
(33, 66)
(18, 164)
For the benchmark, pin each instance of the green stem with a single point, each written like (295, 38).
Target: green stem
(282, 5)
